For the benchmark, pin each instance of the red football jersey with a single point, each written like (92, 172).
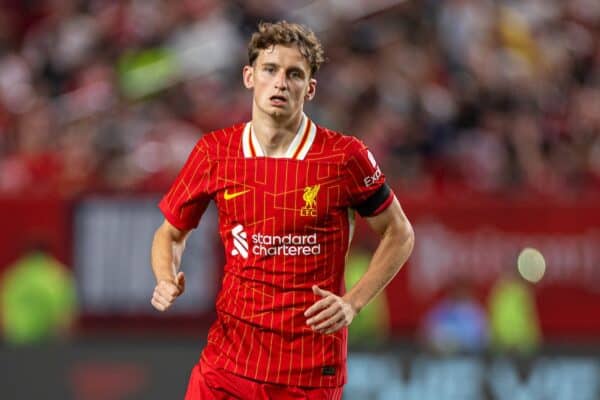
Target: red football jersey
(286, 224)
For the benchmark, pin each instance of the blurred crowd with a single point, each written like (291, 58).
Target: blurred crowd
(453, 96)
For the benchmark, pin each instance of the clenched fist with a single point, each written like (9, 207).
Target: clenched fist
(166, 292)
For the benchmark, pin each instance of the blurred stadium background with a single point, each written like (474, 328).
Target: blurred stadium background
(485, 116)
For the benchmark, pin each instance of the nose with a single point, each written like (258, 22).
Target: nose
(281, 81)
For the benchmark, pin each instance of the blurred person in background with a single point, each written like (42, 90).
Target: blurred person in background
(37, 298)
(457, 323)
(514, 324)
(286, 191)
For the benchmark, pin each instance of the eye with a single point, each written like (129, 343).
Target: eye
(296, 75)
(269, 68)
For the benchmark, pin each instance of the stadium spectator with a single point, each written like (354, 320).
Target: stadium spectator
(457, 323)
(457, 96)
(514, 324)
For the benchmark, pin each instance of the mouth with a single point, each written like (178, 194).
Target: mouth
(278, 100)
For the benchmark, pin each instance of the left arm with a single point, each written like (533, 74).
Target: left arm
(333, 312)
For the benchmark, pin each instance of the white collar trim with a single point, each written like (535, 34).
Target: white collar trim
(298, 149)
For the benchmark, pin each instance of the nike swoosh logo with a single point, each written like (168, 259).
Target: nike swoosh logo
(229, 196)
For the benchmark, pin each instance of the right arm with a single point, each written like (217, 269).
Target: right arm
(167, 250)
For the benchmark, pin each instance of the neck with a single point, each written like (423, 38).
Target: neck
(275, 135)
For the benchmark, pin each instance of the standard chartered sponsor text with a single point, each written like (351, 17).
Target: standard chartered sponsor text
(287, 245)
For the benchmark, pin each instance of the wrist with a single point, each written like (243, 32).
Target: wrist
(166, 278)
(354, 303)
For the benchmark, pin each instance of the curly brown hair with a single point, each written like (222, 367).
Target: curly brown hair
(287, 34)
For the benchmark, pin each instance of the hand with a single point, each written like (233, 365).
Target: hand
(329, 314)
(166, 292)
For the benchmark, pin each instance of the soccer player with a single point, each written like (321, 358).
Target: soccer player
(286, 191)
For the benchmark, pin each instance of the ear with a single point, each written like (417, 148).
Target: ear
(248, 75)
(312, 89)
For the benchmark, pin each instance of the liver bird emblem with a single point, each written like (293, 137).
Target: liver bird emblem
(309, 197)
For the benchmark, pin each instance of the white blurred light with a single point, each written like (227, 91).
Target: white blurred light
(531, 264)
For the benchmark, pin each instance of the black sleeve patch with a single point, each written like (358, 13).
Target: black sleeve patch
(370, 205)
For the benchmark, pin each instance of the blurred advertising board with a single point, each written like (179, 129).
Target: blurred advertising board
(106, 240)
(159, 369)
(112, 238)
(32, 221)
(424, 377)
(476, 241)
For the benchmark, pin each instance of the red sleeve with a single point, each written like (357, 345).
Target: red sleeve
(188, 197)
(368, 191)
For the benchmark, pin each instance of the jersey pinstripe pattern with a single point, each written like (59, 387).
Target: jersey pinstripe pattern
(286, 225)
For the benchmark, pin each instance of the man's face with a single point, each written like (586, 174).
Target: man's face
(281, 81)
